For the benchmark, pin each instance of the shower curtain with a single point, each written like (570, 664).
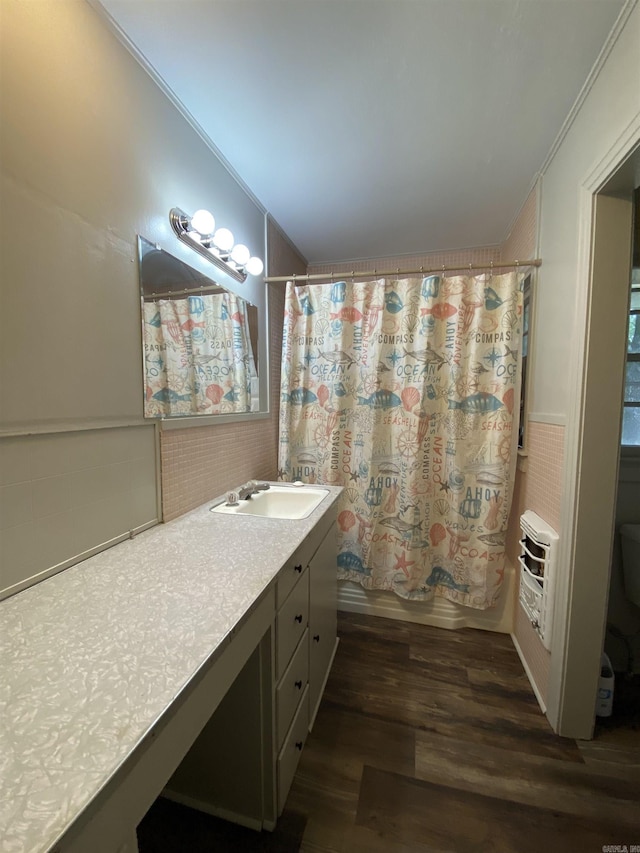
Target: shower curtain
(198, 355)
(403, 392)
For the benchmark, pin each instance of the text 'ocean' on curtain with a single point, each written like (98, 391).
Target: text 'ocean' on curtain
(404, 391)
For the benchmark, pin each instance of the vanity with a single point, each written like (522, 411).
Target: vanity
(188, 661)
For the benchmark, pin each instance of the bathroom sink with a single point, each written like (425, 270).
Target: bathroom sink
(292, 502)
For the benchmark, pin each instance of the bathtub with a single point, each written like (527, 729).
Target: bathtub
(439, 612)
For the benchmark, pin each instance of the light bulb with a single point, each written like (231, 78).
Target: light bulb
(240, 254)
(223, 239)
(203, 222)
(254, 266)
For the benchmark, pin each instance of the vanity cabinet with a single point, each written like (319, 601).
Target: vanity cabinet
(242, 765)
(226, 665)
(292, 620)
(292, 685)
(323, 628)
(306, 640)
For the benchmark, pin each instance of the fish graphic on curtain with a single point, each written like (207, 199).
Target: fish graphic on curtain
(198, 356)
(403, 392)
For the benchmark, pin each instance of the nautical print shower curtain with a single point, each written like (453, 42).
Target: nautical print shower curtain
(404, 392)
(198, 356)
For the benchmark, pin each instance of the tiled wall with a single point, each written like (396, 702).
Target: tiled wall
(536, 658)
(538, 489)
(461, 257)
(538, 486)
(544, 471)
(520, 245)
(538, 481)
(66, 495)
(201, 463)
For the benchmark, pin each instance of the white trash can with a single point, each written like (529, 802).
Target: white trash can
(604, 703)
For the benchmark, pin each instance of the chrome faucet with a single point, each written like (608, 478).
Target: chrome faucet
(251, 488)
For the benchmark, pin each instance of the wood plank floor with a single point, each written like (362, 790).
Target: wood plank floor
(431, 741)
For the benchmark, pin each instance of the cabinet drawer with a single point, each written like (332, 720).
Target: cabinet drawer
(291, 573)
(291, 623)
(292, 749)
(291, 688)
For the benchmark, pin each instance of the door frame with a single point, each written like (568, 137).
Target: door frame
(592, 443)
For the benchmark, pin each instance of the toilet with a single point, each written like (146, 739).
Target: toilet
(630, 540)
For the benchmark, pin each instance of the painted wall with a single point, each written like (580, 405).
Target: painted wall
(66, 495)
(607, 119)
(608, 110)
(93, 153)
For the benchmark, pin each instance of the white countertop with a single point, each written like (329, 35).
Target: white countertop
(92, 657)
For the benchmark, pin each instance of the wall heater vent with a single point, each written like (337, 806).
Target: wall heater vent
(538, 556)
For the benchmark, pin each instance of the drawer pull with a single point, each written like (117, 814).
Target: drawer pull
(297, 568)
(316, 638)
(299, 745)
(298, 618)
(298, 684)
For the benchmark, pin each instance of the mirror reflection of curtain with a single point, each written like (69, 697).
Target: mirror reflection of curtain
(403, 392)
(198, 356)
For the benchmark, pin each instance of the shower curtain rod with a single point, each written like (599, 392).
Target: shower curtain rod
(187, 291)
(536, 262)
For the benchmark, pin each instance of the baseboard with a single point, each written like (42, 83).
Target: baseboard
(224, 814)
(439, 612)
(324, 684)
(532, 680)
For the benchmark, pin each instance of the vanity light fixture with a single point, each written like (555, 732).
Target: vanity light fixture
(217, 245)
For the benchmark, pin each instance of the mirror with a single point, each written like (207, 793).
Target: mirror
(200, 341)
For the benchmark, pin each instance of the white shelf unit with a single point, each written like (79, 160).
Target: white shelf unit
(538, 557)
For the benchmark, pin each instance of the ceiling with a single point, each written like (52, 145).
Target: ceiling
(371, 128)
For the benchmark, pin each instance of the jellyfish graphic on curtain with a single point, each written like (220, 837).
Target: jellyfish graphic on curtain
(403, 392)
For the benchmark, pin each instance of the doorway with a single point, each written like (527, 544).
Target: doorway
(622, 639)
(591, 475)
